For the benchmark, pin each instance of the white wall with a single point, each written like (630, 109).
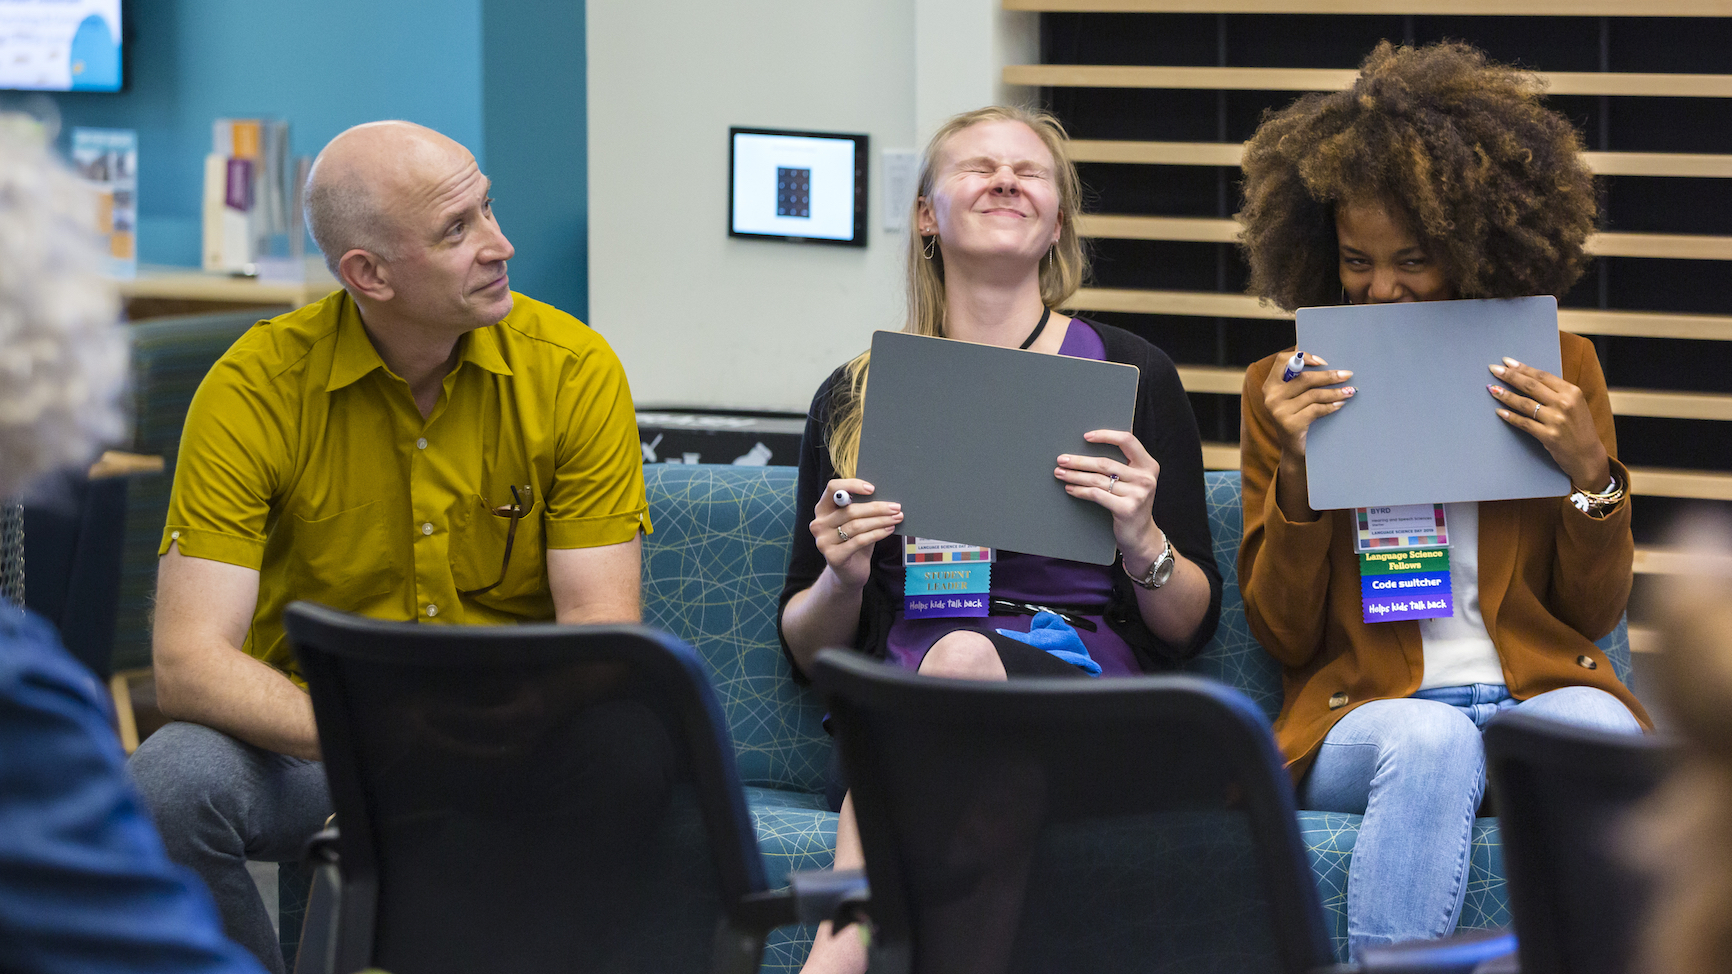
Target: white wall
(702, 319)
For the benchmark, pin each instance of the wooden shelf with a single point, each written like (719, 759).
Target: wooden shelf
(1644, 481)
(1674, 246)
(1671, 405)
(1335, 79)
(1182, 228)
(1220, 456)
(1644, 640)
(1222, 379)
(1229, 380)
(1684, 164)
(1658, 560)
(1446, 8)
(1688, 484)
(1208, 304)
(188, 284)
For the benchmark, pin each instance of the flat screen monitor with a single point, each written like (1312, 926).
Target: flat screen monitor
(805, 187)
(60, 45)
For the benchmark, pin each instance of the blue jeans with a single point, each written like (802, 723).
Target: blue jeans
(1415, 769)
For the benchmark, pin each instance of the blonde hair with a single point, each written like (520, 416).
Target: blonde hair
(62, 352)
(1059, 278)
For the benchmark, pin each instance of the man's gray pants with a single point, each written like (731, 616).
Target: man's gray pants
(219, 802)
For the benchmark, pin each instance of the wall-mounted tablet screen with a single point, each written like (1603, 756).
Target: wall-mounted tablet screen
(806, 187)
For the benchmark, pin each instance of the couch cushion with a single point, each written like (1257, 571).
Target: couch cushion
(1233, 656)
(1329, 838)
(712, 571)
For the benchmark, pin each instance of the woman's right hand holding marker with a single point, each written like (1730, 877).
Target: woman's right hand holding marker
(846, 533)
(1298, 402)
(1295, 400)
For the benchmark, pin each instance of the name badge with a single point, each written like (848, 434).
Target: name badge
(1403, 563)
(945, 578)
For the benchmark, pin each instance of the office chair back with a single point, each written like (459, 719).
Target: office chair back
(528, 798)
(1138, 824)
(1563, 796)
(73, 529)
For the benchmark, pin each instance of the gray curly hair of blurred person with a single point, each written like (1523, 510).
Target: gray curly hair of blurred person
(62, 351)
(1682, 836)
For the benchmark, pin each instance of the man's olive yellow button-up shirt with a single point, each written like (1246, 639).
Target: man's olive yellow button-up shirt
(305, 458)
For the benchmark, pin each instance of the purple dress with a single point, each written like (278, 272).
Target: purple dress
(1023, 578)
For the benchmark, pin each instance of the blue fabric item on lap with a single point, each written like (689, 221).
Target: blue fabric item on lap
(1053, 634)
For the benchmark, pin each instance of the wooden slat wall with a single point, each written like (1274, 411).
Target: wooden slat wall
(1696, 474)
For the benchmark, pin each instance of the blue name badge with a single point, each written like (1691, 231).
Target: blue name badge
(1408, 584)
(933, 589)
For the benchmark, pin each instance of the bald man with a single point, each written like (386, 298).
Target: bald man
(423, 444)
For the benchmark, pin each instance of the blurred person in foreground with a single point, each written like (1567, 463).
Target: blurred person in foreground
(84, 882)
(1683, 835)
(424, 445)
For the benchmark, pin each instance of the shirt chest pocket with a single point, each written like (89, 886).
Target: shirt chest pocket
(341, 559)
(494, 562)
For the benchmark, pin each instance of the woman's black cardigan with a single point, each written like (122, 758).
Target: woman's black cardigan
(1168, 430)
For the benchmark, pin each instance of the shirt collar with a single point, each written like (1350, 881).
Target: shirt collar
(355, 355)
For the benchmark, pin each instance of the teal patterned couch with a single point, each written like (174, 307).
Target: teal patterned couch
(712, 572)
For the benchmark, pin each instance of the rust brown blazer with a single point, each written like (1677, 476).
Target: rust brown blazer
(1551, 581)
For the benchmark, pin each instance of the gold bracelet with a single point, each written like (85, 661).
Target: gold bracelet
(1597, 504)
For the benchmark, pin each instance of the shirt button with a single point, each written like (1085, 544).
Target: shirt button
(427, 528)
(432, 610)
(1338, 701)
(1586, 662)
(421, 444)
(175, 535)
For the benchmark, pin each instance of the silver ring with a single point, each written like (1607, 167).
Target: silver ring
(1536, 412)
(841, 534)
(1112, 483)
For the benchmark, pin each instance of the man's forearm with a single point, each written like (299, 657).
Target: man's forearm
(244, 698)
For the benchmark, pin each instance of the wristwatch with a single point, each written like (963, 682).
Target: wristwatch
(1600, 504)
(1160, 571)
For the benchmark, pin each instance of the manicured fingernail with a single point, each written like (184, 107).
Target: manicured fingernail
(895, 506)
(1494, 390)
(1063, 459)
(1512, 363)
(1343, 375)
(1350, 390)
(1320, 360)
(1497, 370)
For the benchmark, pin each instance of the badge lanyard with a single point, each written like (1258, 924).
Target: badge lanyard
(1403, 562)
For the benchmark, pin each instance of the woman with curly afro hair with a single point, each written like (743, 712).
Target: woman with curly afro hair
(1437, 175)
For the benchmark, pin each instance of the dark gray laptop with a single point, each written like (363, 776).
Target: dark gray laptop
(966, 437)
(1422, 428)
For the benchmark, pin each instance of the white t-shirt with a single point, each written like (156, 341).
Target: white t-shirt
(1458, 650)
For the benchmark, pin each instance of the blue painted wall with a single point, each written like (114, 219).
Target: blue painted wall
(325, 65)
(537, 135)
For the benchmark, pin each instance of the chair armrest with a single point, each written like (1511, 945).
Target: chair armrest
(840, 896)
(1473, 952)
(318, 950)
(320, 849)
(812, 896)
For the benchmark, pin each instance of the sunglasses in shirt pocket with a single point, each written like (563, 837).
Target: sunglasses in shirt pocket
(482, 535)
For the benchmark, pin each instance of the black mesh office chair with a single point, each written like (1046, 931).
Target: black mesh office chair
(73, 529)
(529, 799)
(1564, 795)
(1136, 824)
